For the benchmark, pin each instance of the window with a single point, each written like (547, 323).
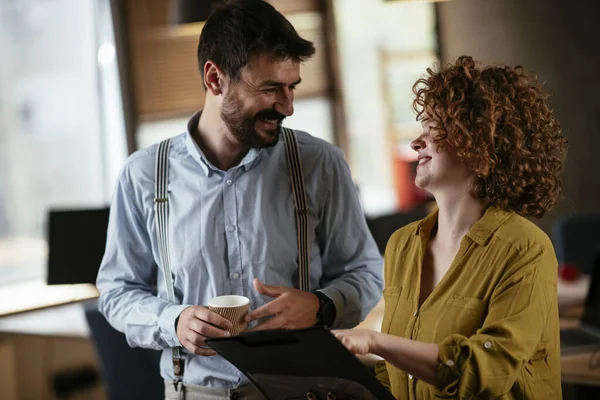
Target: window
(62, 139)
(384, 47)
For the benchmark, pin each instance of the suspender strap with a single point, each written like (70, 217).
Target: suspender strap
(161, 207)
(297, 179)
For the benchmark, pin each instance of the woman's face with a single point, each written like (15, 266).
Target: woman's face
(439, 167)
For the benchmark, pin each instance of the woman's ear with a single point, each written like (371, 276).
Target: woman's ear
(213, 78)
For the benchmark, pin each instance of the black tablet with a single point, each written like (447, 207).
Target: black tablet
(287, 364)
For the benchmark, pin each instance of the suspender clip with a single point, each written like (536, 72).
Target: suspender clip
(178, 368)
(161, 199)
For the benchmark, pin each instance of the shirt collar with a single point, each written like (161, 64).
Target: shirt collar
(249, 160)
(492, 219)
(480, 232)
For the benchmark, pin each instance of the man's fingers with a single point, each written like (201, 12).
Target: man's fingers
(207, 330)
(203, 351)
(268, 290)
(267, 310)
(212, 318)
(273, 323)
(195, 344)
(196, 340)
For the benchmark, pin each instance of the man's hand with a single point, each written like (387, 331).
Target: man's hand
(358, 341)
(291, 309)
(197, 323)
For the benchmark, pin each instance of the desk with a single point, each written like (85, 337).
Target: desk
(572, 294)
(62, 321)
(579, 368)
(34, 295)
(55, 341)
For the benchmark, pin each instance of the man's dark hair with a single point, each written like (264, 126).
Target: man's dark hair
(240, 29)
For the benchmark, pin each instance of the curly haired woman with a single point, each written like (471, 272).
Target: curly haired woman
(470, 297)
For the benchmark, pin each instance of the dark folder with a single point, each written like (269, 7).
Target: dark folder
(287, 364)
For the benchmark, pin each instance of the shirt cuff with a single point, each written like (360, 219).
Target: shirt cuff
(451, 358)
(338, 301)
(166, 324)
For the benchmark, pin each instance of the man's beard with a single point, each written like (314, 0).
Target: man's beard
(242, 127)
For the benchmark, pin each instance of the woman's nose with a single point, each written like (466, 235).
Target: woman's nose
(417, 144)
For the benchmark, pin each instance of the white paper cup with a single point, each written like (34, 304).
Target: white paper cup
(231, 307)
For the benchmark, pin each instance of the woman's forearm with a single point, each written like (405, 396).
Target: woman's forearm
(415, 358)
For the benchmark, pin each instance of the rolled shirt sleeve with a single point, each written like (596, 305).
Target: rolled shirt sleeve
(487, 364)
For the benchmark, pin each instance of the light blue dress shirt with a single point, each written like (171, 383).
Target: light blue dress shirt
(227, 228)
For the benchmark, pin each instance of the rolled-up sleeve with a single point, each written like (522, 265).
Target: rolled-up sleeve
(127, 277)
(352, 264)
(486, 365)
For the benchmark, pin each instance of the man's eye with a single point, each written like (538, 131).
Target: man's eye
(269, 90)
(294, 87)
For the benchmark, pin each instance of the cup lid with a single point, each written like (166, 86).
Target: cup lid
(228, 301)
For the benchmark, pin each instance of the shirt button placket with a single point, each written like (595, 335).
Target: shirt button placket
(230, 214)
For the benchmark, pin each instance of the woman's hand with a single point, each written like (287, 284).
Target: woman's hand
(358, 341)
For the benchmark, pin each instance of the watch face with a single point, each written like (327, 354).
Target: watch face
(328, 313)
(327, 310)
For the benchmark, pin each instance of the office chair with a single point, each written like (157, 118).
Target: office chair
(129, 373)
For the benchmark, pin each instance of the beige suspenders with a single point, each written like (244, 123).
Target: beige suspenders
(301, 210)
(161, 206)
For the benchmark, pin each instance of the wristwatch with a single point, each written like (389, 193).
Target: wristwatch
(326, 313)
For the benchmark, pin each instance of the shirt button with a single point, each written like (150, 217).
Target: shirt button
(410, 376)
(487, 345)
(235, 275)
(229, 182)
(450, 363)
(231, 228)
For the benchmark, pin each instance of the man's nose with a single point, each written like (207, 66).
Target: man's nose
(285, 102)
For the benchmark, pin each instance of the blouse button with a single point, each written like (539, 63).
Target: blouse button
(450, 363)
(487, 345)
(410, 376)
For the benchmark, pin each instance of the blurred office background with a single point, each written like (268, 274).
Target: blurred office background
(84, 83)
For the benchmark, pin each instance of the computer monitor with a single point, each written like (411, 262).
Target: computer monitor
(76, 242)
(591, 313)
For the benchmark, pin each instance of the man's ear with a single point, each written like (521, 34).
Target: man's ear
(213, 78)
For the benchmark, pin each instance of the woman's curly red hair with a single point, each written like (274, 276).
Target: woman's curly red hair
(498, 120)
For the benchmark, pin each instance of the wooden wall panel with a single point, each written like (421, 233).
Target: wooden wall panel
(164, 72)
(166, 77)
(45, 357)
(8, 371)
(296, 6)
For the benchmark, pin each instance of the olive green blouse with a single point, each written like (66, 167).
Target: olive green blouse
(494, 314)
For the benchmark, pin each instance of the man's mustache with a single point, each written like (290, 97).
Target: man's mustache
(270, 115)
